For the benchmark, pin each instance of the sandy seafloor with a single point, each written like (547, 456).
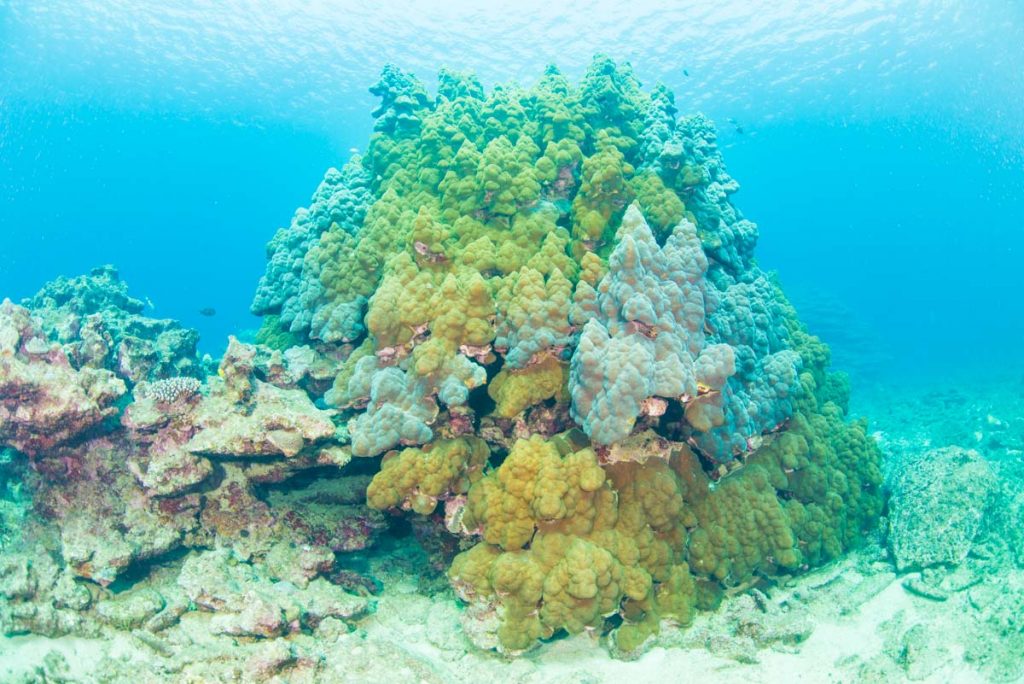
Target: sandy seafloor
(854, 620)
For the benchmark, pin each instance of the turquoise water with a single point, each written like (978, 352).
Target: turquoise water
(880, 153)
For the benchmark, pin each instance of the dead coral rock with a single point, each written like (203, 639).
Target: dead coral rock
(251, 523)
(16, 579)
(44, 401)
(132, 608)
(99, 325)
(234, 516)
(994, 638)
(261, 616)
(97, 546)
(918, 587)
(747, 624)
(279, 422)
(298, 563)
(174, 472)
(39, 597)
(248, 603)
(921, 654)
(939, 499)
(217, 580)
(331, 512)
(159, 423)
(107, 521)
(236, 370)
(269, 664)
(305, 367)
(261, 434)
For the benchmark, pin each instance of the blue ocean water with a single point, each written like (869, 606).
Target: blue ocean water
(879, 144)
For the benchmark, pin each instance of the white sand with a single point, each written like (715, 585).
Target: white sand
(414, 638)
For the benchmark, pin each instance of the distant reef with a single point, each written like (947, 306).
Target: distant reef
(527, 324)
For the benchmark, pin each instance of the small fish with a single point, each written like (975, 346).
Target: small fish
(149, 303)
(208, 311)
(739, 129)
(686, 72)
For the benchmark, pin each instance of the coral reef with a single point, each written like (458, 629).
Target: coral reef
(44, 400)
(529, 319)
(118, 480)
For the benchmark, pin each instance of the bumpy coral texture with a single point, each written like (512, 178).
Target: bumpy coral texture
(547, 313)
(644, 329)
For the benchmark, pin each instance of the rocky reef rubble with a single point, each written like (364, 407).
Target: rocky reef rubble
(44, 400)
(156, 501)
(940, 501)
(187, 466)
(99, 325)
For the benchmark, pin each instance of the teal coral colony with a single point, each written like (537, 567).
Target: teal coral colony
(527, 321)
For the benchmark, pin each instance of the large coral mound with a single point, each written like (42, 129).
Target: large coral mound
(551, 320)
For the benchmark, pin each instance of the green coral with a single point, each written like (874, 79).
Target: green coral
(272, 334)
(604, 192)
(611, 98)
(660, 205)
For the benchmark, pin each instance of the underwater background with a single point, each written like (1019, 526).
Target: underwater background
(527, 410)
(878, 145)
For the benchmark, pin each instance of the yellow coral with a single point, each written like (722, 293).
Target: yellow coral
(416, 478)
(462, 311)
(535, 483)
(401, 306)
(515, 390)
(592, 268)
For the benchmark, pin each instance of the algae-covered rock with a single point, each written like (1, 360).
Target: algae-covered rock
(16, 579)
(282, 423)
(131, 609)
(939, 499)
(44, 400)
(246, 602)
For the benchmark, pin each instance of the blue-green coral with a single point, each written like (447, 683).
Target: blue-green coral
(339, 203)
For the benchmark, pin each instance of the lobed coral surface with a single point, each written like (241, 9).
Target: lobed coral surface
(557, 275)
